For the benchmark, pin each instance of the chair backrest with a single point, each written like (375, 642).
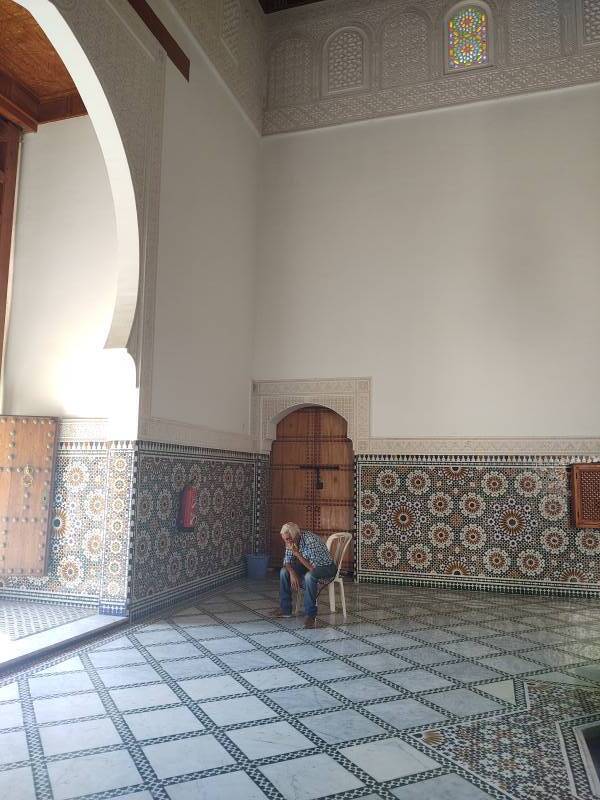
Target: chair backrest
(337, 544)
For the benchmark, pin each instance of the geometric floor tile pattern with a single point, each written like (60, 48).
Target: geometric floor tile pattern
(417, 694)
(21, 618)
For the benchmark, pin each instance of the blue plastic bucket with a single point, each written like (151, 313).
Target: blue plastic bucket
(257, 565)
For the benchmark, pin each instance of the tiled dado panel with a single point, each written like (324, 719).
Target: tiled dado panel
(90, 528)
(170, 565)
(495, 523)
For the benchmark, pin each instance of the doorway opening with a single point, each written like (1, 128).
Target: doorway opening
(312, 474)
(66, 233)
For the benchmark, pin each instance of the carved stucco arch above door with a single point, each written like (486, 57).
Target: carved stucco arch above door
(348, 397)
(100, 42)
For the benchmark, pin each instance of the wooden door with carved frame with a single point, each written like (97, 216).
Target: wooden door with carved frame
(312, 473)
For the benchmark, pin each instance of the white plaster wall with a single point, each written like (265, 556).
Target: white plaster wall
(64, 280)
(207, 249)
(452, 255)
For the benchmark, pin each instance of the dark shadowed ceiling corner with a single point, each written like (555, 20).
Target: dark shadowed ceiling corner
(269, 6)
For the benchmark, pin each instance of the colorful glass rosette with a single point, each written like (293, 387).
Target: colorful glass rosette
(468, 38)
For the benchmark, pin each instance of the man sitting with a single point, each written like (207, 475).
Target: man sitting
(306, 556)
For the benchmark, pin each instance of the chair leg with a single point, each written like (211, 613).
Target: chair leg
(332, 597)
(343, 598)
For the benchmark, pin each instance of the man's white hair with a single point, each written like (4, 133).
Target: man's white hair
(291, 528)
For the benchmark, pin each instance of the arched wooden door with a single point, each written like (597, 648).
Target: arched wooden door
(312, 467)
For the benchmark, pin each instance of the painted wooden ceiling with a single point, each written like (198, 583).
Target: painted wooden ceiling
(269, 6)
(32, 74)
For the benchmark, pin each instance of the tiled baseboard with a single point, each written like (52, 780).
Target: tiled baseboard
(481, 585)
(113, 610)
(171, 597)
(40, 596)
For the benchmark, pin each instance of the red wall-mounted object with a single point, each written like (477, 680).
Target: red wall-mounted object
(188, 503)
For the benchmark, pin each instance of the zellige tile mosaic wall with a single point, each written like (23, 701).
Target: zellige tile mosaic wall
(90, 528)
(495, 523)
(169, 565)
(100, 495)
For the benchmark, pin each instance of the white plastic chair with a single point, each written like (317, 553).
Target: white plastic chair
(337, 544)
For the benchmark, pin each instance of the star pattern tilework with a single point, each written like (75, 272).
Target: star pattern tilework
(472, 522)
(90, 527)
(168, 563)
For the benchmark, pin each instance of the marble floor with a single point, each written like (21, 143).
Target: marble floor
(21, 618)
(418, 694)
(29, 629)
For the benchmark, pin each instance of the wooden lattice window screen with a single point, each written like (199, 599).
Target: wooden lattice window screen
(27, 457)
(585, 484)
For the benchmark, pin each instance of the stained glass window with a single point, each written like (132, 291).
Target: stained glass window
(468, 38)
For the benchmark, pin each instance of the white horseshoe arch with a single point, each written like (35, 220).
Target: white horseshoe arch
(71, 52)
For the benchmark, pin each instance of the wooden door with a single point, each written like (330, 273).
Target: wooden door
(312, 469)
(9, 156)
(27, 454)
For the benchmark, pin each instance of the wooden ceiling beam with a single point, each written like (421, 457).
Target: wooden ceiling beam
(22, 107)
(159, 31)
(270, 6)
(18, 104)
(64, 107)
(35, 85)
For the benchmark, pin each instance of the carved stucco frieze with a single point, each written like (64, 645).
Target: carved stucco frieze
(482, 446)
(90, 429)
(155, 429)
(591, 21)
(465, 88)
(406, 49)
(230, 26)
(272, 400)
(533, 46)
(346, 61)
(351, 399)
(533, 36)
(232, 33)
(290, 77)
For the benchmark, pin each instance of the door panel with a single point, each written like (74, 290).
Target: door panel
(287, 486)
(333, 452)
(27, 454)
(336, 485)
(305, 439)
(291, 452)
(331, 424)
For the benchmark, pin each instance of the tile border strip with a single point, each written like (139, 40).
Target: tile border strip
(141, 609)
(471, 584)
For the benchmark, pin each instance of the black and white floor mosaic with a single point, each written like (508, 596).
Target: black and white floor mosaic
(417, 694)
(20, 618)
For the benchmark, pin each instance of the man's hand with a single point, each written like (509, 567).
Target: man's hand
(294, 580)
(295, 551)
